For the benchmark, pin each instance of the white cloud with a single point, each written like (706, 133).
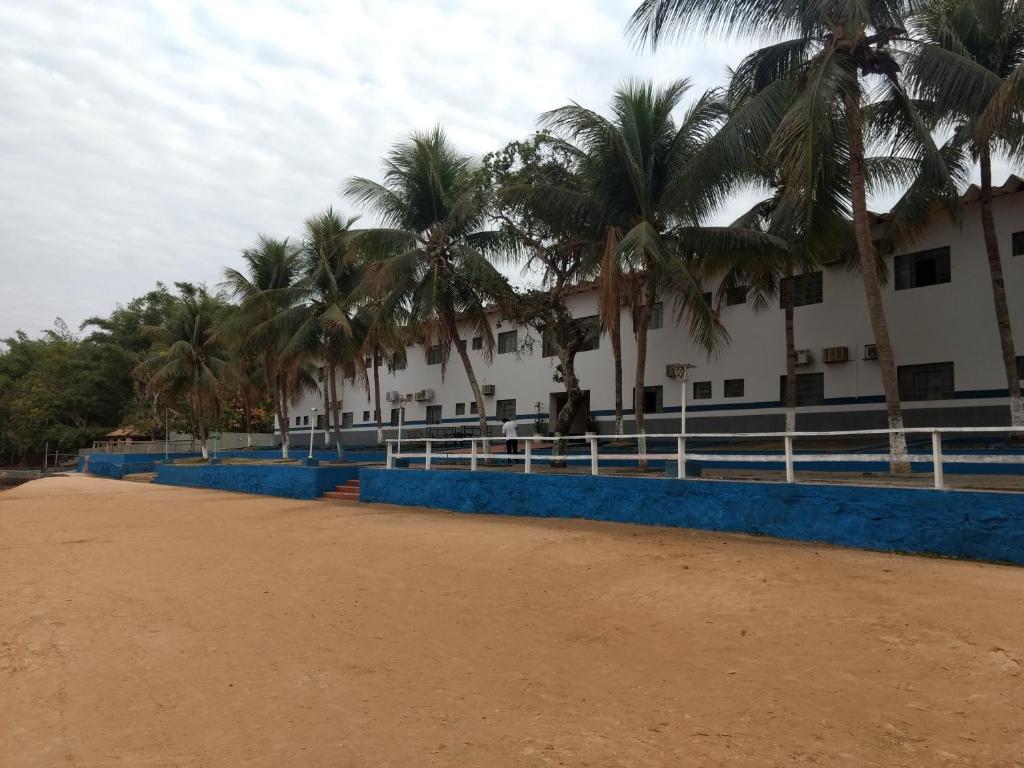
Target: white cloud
(151, 140)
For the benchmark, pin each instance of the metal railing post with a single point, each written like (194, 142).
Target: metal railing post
(937, 460)
(391, 458)
(790, 477)
(472, 455)
(593, 455)
(427, 457)
(681, 457)
(527, 455)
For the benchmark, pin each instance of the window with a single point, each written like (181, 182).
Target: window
(932, 381)
(320, 374)
(478, 342)
(916, 270)
(434, 355)
(460, 409)
(433, 414)
(394, 417)
(505, 409)
(366, 416)
(319, 421)
(1020, 367)
(1017, 244)
(657, 317)
(298, 421)
(708, 299)
(398, 362)
(346, 420)
(807, 289)
(508, 342)
(810, 389)
(592, 326)
(733, 388)
(367, 362)
(736, 295)
(653, 399)
(473, 409)
(305, 421)
(702, 390)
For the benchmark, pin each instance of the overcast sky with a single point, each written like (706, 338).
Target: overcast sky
(146, 140)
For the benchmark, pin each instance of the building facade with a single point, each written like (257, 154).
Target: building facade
(938, 302)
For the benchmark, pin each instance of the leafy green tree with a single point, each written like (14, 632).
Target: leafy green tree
(563, 248)
(430, 256)
(830, 52)
(969, 63)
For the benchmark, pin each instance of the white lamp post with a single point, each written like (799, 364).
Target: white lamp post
(312, 428)
(401, 419)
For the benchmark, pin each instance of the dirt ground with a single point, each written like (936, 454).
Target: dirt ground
(151, 626)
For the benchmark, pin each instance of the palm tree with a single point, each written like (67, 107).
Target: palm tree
(190, 364)
(829, 52)
(646, 181)
(383, 332)
(320, 319)
(970, 63)
(266, 289)
(431, 252)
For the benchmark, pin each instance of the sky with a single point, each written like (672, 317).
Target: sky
(146, 140)
(152, 140)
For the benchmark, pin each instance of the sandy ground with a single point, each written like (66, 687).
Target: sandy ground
(150, 626)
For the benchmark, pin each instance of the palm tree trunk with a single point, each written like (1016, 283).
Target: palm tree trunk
(246, 416)
(869, 273)
(376, 399)
(615, 332)
(336, 401)
(453, 332)
(995, 268)
(643, 320)
(283, 416)
(787, 302)
(327, 402)
(574, 399)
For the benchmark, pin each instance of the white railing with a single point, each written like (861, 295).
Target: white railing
(788, 457)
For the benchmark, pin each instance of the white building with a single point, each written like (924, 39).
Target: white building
(938, 302)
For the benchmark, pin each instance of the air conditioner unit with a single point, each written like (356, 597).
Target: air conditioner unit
(392, 397)
(487, 389)
(835, 354)
(803, 357)
(424, 395)
(870, 351)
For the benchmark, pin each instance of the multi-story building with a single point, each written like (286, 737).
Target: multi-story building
(938, 301)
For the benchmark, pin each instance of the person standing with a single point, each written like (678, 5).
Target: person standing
(508, 429)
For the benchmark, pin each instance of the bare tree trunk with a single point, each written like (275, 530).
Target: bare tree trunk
(574, 399)
(995, 268)
(787, 302)
(376, 399)
(872, 289)
(336, 427)
(453, 332)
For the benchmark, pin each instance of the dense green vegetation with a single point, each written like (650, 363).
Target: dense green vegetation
(852, 96)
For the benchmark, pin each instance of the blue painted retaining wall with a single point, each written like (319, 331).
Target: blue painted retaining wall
(117, 465)
(987, 526)
(289, 481)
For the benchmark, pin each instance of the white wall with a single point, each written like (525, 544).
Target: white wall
(953, 321)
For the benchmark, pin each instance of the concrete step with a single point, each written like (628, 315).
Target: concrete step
(351, 496)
